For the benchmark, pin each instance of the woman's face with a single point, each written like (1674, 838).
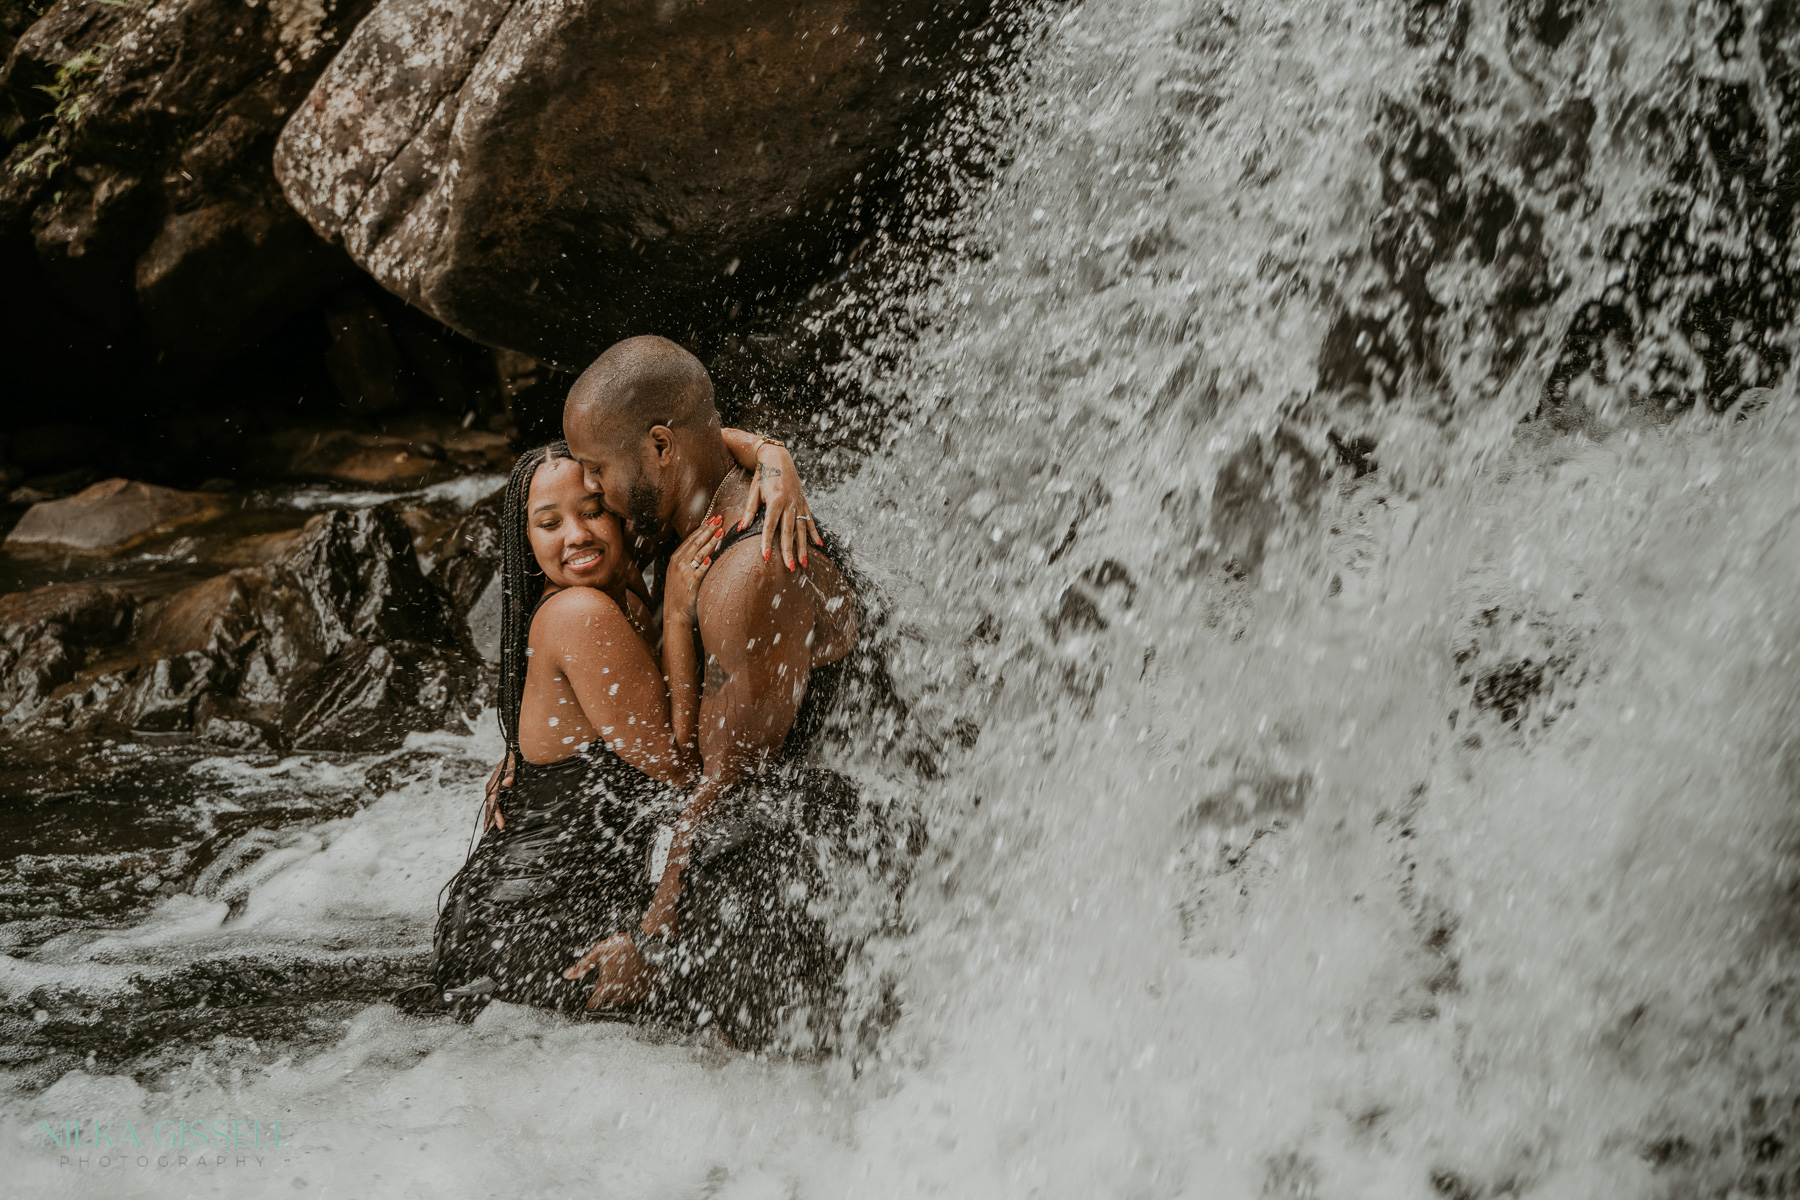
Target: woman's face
(576, 541)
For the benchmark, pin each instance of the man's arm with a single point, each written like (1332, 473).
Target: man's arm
(755, 622)
(774, 484)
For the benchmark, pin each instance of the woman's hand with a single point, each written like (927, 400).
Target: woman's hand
(775, 485)
(688, 565)
(624, 975)
(492, 817)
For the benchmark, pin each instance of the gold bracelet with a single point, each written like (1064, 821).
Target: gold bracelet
(763, 439)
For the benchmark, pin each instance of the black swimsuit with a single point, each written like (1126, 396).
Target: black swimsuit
(571, 868)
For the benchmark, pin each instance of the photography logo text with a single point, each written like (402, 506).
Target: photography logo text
(221, 1142)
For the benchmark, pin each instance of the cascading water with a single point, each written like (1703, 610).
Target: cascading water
(1340, 593)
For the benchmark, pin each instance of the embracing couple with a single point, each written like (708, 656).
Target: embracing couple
(650, 843)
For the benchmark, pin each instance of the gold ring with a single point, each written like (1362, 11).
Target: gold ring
(694, 563)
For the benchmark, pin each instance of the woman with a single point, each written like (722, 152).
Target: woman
(601, 743)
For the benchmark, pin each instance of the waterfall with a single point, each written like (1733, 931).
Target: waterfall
(1384, 781)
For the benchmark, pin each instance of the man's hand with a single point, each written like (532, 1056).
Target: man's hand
(492, 817)
(624, 976)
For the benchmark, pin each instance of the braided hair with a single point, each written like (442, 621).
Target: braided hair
(521, 585)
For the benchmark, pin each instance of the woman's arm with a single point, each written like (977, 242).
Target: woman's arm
(616, 682)
(776, 485)
(681, 665)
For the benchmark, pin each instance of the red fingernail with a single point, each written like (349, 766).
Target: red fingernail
(706, 562)
(765, 556)
(803, 560)
(789, 562)
(740, 523)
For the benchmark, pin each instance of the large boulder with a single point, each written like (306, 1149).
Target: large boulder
(111, 514)
(552, 174)
(139, 195)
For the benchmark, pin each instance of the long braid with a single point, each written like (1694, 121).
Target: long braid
(521, 584)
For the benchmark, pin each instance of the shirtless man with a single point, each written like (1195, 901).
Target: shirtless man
(642, 423)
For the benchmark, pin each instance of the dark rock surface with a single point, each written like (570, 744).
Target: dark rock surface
(45, 635)
(138, 196)
(354, 647)
(409, 457)
(550, 177)
(340, 643)
(468, 571)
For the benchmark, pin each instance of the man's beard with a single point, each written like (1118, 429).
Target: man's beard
(642, 505)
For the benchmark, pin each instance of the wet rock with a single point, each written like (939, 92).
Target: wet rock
(369, 697)
(1440, 210)
(214, 615)
(1267, 485)
(375, 460)
(45, 636)
(54, 487)
(341, 643)
(468, 572)
(110, 514)
(140, 192)
(409, 453)
(352, 577)
(357, 648)
(228, 722)
(552, 176)
(432, 528)
(484, 621)
(162, 698)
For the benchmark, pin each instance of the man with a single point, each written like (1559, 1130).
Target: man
(642, 423)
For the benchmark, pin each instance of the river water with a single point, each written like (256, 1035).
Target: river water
(1347, 742)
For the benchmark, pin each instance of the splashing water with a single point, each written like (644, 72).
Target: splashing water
(1361, 714)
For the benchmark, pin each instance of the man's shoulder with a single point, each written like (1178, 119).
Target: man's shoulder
(741, 590)
(742, 563)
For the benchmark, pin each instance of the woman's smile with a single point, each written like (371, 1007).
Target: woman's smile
(581, 560)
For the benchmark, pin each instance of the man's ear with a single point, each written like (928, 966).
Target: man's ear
(662, 444)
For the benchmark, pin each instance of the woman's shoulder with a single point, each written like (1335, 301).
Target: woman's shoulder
(575, 606)
(577, 600)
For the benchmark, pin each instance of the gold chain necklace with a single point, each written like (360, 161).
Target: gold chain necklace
(717, 492)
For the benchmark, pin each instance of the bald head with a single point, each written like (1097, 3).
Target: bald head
(642, 423)
(639, 383)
